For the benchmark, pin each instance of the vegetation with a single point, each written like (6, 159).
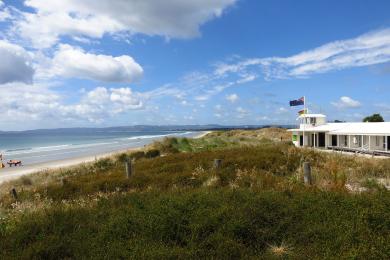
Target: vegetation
(176, 205)
(374, 118)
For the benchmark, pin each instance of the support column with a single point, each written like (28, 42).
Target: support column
(362, 142)
(349, 141)
(369, 142)
(315, 140)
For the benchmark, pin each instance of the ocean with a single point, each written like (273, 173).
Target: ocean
(40, 146)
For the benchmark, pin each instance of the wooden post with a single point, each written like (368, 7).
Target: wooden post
(129, 169)
(307, 173)
(14, 193)
(217, 163)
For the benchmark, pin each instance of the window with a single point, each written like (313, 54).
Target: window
(313, 120)
(377, 140)
(334, 140)
(345, 140)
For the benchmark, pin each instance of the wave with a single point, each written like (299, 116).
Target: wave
(34, 150)
(156, 136)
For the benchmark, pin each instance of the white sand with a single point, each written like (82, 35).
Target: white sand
(11, 173)
(202, 134)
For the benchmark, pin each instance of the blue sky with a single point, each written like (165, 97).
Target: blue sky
(102, 63)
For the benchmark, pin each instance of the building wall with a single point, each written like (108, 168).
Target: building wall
(344, 141)
(377, 143)
(356, 141)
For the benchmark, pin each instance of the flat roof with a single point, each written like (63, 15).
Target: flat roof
(312, 115)
(369, 128)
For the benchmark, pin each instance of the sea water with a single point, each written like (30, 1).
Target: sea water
(41, 146)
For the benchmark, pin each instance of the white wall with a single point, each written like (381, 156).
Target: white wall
(377, 143)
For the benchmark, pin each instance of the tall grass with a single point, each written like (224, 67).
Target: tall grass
(179, 206)
(205, 223)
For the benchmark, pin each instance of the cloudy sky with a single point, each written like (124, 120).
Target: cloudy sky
(67, 63)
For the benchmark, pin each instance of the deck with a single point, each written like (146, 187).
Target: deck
(360, 151)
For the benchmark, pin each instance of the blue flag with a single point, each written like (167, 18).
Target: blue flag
(297, 102)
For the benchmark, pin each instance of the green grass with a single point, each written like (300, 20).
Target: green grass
(205, 223)
(176, 205)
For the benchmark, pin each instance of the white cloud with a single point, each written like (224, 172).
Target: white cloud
(367, 49)
(27, 103)
(241, 112)
(125, 99)
(346, 102)
(74, 62)
(101, 103)
(90, 18)
(282, 110)
(16, 64)
(232, 98)
(184, 102)
(4, 12)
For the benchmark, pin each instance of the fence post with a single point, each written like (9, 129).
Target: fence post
(307, 173)
(129, 168)
(14, 193)
(217, 163)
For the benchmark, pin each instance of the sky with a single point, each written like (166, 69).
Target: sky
(86, 63)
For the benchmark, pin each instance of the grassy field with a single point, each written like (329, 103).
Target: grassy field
(177, 205)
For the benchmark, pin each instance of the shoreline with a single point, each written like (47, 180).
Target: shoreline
(11, 173)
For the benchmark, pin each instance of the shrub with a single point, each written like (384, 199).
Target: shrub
(152, 153)
(137, 155)
(123, 157)
(103, 164)
(25, 180)
(167, 145)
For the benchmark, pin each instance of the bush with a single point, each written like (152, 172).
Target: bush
(167, 145)
(103, 164)
(123, 157)
(152, 153)
(25, 180)
(137, 155)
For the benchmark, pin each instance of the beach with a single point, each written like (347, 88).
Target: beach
(11, 173)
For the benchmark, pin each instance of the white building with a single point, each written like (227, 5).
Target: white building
(314, 131)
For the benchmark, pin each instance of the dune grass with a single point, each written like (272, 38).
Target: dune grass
(176, 205)
(206, 223)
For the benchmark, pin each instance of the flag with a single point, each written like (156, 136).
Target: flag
(297, 102)
(302, 112)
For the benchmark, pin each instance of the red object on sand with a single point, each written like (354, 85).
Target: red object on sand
(14, 162)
